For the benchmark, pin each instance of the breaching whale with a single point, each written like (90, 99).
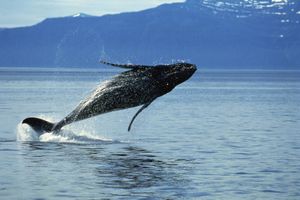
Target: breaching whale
(140, 85)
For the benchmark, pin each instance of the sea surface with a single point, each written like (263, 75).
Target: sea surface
(220, 135)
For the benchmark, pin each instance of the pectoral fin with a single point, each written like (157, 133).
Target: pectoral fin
(138, 112)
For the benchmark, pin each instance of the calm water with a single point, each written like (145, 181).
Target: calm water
(221, 135)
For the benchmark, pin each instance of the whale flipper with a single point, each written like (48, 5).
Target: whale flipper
(138, 112)
(126, 66)
(39, 125)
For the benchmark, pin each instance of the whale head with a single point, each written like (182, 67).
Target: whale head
(170, 76)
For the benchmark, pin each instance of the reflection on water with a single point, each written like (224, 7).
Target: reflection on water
(132, 167)
(119, 169)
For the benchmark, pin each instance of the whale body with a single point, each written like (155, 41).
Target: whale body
(140, 85)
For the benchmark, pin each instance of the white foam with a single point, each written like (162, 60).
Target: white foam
(25, 133)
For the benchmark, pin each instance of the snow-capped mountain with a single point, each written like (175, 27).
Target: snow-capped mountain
(81, 15)
(210, 33)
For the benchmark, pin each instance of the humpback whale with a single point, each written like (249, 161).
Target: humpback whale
(139, 85)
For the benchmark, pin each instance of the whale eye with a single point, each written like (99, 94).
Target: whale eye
(167, 87)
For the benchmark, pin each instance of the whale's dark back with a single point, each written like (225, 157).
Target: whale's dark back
(128, 89)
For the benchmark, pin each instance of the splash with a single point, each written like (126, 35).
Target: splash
(25, 133)
(66, 135)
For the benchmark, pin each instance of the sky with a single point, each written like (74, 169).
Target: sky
(15, 13)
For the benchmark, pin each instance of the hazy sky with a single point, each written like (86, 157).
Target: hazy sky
(27, 12)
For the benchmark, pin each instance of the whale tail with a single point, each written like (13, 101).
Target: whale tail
(40, 126)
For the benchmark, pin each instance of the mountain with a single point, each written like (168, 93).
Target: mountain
(212, 34)
(81, 15)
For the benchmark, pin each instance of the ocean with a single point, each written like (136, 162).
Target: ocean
(231, 134)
